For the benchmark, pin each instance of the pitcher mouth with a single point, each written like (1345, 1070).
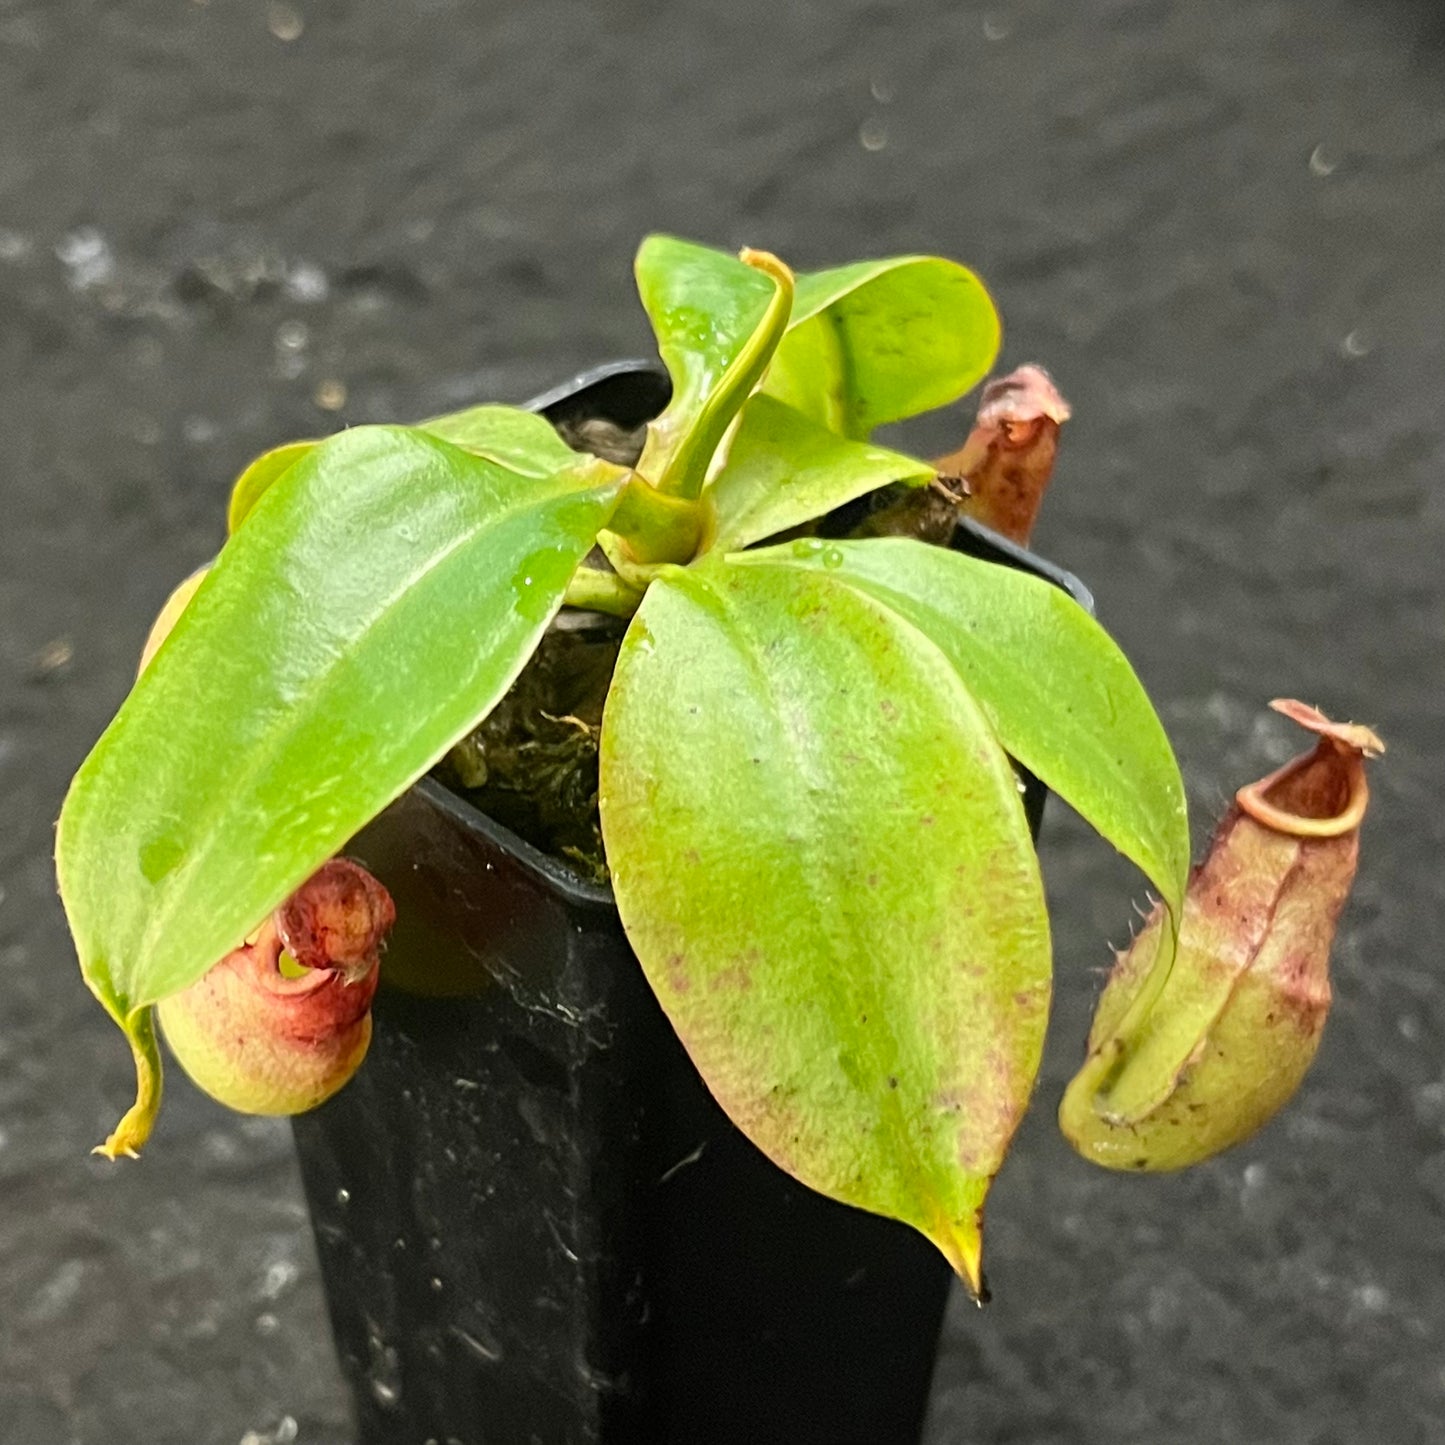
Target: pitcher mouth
(1322, 793)
(259, 963)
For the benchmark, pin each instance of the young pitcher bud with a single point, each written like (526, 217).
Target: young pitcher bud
(1005, 465)
(263, 1039)
(1246, 999)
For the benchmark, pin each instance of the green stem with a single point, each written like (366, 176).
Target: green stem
(654, 527)
(597, 591)
(688, 469)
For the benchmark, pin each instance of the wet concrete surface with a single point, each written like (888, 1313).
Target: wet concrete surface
(225, 224)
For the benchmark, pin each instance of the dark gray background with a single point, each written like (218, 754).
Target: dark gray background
(1221, 226)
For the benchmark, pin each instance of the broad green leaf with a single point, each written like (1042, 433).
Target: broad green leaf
(258, 478)
(784, 469)
(821, 859)
(1054, 686)
(1065, 702)
(521, 440)
(717, 321)
(366, 617)
(879, 341)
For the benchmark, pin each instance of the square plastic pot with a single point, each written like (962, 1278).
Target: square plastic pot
(534, 1223)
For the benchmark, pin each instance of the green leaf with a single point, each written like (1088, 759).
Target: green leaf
(522, 440)
(784, 469)
(258, 478)
(879, 341)
(1055, 687)
(717, 321)
(365, 618)
(1064, 702)
(821, 859)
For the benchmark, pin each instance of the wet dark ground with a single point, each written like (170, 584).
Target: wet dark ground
(223, 224)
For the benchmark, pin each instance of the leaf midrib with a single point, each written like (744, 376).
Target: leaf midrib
(919, 1170)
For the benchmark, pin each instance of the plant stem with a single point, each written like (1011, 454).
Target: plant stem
(597, 591)
(655, 527)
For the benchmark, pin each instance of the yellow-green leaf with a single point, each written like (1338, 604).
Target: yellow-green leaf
(821, 858)
(879, 341)
(260, 476)
(784, 469)
(1055, 687)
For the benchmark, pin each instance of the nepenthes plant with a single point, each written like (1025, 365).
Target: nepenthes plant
(808, 785)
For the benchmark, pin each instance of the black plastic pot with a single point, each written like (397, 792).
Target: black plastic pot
(535, 1224)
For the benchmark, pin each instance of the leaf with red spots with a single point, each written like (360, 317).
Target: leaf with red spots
(821, 858)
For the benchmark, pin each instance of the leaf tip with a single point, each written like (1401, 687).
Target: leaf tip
(127, 1137)
(961, 1243)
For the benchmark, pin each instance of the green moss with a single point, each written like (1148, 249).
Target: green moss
(532, 764)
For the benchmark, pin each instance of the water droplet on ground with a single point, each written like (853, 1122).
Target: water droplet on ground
(330, 395)
(284, 23)
(280, 1275)
(14, 246)
(53, 657)
(384, 1376)
(1372, 1298)
(292, 336)
(86, 255)
(306, 282)
(873, 135)
(1430, 1105)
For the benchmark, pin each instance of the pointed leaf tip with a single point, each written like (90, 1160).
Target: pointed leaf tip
(961, 1244)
